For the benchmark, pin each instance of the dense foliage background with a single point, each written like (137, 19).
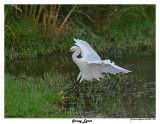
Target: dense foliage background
(37, 30)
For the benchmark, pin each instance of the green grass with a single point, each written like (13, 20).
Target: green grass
(129, 29)
(26, 41)
(31, 97)
(117, 96)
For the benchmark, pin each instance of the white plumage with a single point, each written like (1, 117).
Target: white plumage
(86, 51)
(91, 66)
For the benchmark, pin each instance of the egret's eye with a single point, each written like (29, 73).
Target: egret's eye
(72, 49)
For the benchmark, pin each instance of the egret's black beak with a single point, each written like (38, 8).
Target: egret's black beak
(67, 51)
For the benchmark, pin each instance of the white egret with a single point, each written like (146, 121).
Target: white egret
(90, 64)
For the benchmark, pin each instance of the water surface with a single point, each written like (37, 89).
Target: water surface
(143, 65)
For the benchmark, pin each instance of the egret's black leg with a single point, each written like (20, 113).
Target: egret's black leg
(72, 86)
(75, 85)
(73, 89)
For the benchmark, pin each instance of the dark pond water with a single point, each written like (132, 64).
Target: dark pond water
(139, 65)
(143, 65)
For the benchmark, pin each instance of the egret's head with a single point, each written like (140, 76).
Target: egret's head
(72, 49)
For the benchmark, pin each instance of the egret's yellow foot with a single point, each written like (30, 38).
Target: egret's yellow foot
(64, 97)
(60, 93)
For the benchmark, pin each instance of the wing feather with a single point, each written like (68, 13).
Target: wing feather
(86, 50)
(108, 67)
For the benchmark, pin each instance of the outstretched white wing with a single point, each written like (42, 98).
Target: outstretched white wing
(107, 66)
(86, 51)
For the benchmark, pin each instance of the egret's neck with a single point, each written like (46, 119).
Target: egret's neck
(75, 54)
